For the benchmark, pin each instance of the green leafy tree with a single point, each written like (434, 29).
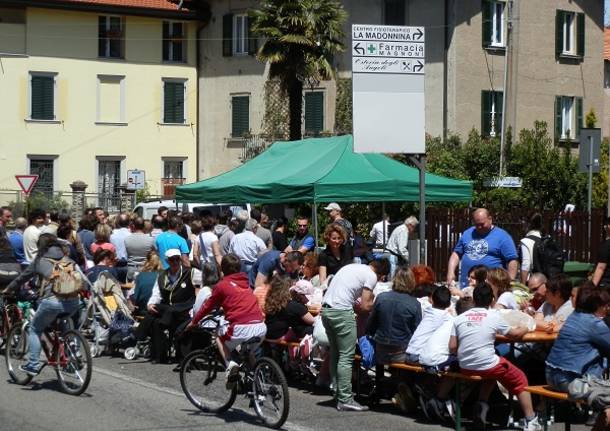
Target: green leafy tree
(301, 38)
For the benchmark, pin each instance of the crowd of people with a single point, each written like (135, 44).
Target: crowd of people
(181, 267)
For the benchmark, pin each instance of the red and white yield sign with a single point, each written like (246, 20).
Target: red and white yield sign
(26, 182)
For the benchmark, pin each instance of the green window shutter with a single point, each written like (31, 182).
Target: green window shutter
(314, 112)
(173, 102)
(559, 20)
(252, 39)
(227, 35)
(240, 115)
(580, 34)
(579, 116)
(557, 118)
(486, 113)
(101, 36)
(486, 16)
(499, 97)
(166, 41)
(43, 95)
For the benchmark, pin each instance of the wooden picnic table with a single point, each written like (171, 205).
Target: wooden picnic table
(530, 337)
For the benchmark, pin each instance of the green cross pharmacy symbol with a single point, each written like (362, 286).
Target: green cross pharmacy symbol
(372, 48)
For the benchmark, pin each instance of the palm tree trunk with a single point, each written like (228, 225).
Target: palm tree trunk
(295, 105)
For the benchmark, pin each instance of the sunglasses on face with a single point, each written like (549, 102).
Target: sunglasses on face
(302, 225)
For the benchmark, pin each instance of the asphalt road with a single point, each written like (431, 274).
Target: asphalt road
(136, 395)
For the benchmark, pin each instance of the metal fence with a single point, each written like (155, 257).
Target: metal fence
(445, 226)
(111, 202)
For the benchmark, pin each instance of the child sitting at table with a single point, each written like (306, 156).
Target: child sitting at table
(472, 337)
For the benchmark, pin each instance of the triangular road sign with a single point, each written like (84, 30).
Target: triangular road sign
(26, 182)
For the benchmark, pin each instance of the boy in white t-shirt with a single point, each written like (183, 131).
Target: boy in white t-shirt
(472, 337)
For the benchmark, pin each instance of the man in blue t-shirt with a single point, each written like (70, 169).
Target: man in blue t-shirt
(303, 241)
(169, 240)
(276, 262)
(483, 244)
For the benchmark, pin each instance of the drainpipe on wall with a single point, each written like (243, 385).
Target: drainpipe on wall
(445, 70)
(200, 27)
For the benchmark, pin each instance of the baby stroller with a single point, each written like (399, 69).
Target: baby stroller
(106, 317)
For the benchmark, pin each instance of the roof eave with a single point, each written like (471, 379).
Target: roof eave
(111, 9)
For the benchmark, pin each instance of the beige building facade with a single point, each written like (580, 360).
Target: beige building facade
(554, 56)
(90, 93)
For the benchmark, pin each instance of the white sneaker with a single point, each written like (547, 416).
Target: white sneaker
(532, 425)
(231, 375)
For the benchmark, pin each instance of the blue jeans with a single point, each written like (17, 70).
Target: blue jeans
(47, 312)
(560, 379)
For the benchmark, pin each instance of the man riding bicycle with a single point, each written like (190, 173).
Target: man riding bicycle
(241, 310)
(50, 251)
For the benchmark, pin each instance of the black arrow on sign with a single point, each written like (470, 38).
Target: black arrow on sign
(418, 34)
(418, 67)
(359, 49)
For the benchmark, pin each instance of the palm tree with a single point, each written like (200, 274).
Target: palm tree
(300, 39)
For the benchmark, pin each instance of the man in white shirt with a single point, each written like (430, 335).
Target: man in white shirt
(398, 244)
(247, 246)
(352, 282)
(379, 232)
(527, 246)
(31, 234)
(119, 234)
(473, 336)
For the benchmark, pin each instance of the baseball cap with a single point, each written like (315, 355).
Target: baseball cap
(172, 252)
(333, 206)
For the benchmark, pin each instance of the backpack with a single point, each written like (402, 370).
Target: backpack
(66, 279)
(548, 257)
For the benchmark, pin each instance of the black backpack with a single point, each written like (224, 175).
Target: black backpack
(548, 256)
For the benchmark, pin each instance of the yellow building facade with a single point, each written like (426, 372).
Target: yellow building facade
(90, 94)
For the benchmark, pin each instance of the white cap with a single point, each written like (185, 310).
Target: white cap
(172, 252)
(333, 206)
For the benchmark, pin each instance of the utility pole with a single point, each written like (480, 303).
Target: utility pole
(507, 53)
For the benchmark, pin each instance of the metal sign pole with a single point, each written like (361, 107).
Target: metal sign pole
(590, 191)
(420, 162)
(422, 210)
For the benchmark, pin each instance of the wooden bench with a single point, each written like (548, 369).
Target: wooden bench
(554, 396)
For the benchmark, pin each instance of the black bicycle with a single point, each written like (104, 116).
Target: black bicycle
(202, 377)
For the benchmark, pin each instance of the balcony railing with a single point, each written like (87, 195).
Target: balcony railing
(168, 186)
(253, 146)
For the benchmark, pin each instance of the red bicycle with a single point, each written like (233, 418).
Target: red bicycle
(67, 351)
(10, 315)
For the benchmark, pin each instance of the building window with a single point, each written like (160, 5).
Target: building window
(42, 96)
(570, 34)
(491, 113)
(44, 168)
(314, 113)
(110, 99)
(240, 116)
(394, 12)
(12, 30)
(173, 175)
(568, 117)
(111, 39)
(174, 97)
(108, 182)
(237, 38)
(174, 41)
(494, 24)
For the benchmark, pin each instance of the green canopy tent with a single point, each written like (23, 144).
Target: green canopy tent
(322, 170)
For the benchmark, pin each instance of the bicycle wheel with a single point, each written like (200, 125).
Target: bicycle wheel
(202, 377)
(16, 354)
(271, 398)
(73, 363)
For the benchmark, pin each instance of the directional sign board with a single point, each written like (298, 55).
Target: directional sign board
(589, 137)
(136, 179)
(388, 66)
(26, 182)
